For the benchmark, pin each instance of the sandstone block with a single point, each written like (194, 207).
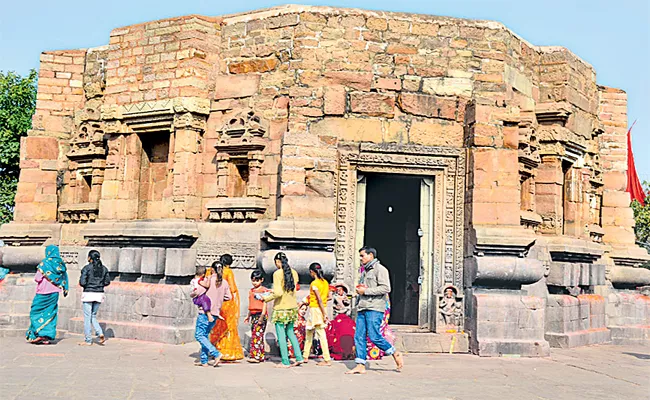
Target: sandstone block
(356, 80)
(436, 133)
(153, 261)
(180, 262)
(349, 129)
(427, 105)
(613, 198)
(254, 65)
(387, 83)
(110, 257)
(236, 86)
(308, 207)
(373, 104)
(39, 148)
(335, 99)
(130, 260)
(448, 86)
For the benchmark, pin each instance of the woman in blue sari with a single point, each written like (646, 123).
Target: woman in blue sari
(51, 278)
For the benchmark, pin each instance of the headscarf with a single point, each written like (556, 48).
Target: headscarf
(53, 268)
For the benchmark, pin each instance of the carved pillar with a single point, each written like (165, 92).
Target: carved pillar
(549, 193)
(573, 199)
(188, 128)
(222, 174)
(255, 160)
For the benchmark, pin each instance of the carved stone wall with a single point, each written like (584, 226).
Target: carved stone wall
(446, 164)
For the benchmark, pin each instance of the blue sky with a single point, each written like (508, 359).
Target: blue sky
(613, 36)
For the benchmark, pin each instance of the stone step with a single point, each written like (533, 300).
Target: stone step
(14, 321)
(428, 342)
(15, 307)
(138, 331)
(579, 338)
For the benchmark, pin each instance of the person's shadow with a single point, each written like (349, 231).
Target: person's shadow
(639, 355)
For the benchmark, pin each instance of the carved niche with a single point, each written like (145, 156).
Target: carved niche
(449, 310)
(239, 164)
(529, 161)
(87, 157)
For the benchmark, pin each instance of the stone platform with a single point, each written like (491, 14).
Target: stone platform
(65, 370)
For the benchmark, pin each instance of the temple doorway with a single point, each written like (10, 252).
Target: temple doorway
(392, 226)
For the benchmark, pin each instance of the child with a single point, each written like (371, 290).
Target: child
(299, 331)
(257, 316)
(200, 298)
(317, 318)
(341, 300)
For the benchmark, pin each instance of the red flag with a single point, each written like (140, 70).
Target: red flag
(633, 184)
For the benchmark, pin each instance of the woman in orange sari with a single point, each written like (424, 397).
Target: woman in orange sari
(225, 334)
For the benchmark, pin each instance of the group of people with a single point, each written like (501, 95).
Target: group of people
(51, 280)
(297, 322)
(214, 292)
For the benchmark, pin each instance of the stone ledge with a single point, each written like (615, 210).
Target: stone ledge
(428, 342)
(162, 233)
(579, 338)
(635, 335)
(139, 331)
(507, 347)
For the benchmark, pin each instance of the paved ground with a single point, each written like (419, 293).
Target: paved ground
(126, 369)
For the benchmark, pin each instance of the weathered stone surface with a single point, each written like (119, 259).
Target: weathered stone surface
(180, 262)
(153, 261)
(448, 86)
(349, 129)
(335, 100)
(232, 87)
(436, 134)
(275, 116)
(254, 65)
(130, 260)
(373, 104)
(428, 106)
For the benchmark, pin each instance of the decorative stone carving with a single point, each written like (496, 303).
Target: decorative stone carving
(239, 209)
(446, 163)
(79, 213)
(239, 164)
(242, 133)
(449, 310)
(87, 157)
(244, 254)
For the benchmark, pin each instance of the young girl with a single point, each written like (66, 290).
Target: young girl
(317, 316)
(94, 278)
(285, 308)
(201, 299)
(257, 316)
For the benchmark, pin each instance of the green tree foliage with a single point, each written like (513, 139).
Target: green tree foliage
(17, 104)
(642, 217)
(642, 220)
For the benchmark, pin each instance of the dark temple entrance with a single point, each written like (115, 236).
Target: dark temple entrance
(392, 219)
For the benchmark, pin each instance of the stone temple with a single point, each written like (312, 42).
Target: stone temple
(471, 159)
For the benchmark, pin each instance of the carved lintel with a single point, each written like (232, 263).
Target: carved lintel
(79, 213)
(552, 113)
(240, 209)
(190, 121)
(530, 220)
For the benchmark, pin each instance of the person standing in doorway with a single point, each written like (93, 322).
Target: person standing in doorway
(94, 278)
(372, 291)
